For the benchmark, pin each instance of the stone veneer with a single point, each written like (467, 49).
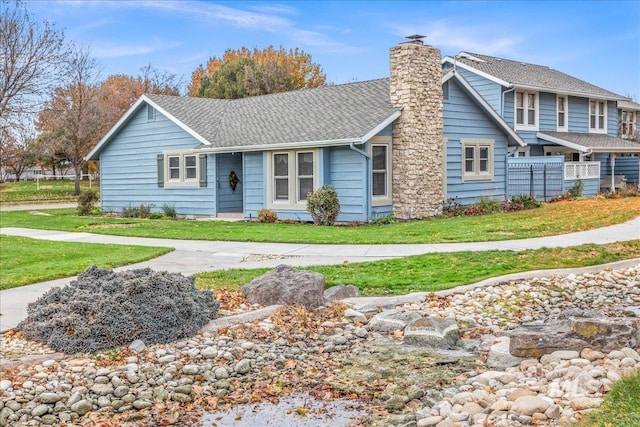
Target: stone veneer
(418, 141)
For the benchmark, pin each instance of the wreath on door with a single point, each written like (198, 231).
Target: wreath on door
(233, 181)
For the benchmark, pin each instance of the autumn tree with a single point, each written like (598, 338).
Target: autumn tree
(31, 55)
(256, 72)
(17, 152)
(73, 115)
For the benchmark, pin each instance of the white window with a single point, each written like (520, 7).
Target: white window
(562, 113)
(477, 159)
(293, 174)
(627, 124)
(597, 116)
(381, 188)
(526, 110)
(181, 169)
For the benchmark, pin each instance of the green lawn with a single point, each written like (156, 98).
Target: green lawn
(621, 406)
(49, 191)
(24, 261)
(551, 219)
(433, 272)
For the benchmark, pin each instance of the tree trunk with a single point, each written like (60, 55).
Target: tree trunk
(78, 169)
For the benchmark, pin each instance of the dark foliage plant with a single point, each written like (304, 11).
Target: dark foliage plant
(104, 309)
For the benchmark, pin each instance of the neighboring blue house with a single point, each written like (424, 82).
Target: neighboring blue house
(590, 128)
(437, 129)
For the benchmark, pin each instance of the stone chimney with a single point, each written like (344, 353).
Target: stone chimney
(418, 140)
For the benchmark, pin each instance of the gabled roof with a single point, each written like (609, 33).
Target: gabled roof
(512, 135)
(340, 114)
(628, 105)
(529, 76)
(590, 142)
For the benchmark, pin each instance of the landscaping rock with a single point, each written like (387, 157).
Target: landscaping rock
(392, 320)
(339, 292)
(285, 285)
(433, 332)
(500, 356)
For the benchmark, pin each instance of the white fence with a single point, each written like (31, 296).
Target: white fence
(46, 177)
(581, 170)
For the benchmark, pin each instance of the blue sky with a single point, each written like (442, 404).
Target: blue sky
(596, 41)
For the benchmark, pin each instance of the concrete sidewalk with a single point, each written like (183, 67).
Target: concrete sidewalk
(193, 256)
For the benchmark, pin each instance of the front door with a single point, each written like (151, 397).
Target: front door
(229, 182)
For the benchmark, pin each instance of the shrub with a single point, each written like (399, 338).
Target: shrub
(169, 210)
(103, 309)
(474, 210)
(323, 205)
(629, 190)
(156, 215)
(575, 192)
(452, 207)
(267, 215)
(142, 211)
(527, 202)
(385, 220)
(86, 202)
(488, 205)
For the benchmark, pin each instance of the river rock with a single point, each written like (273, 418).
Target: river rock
(286, 285)
(500, 356)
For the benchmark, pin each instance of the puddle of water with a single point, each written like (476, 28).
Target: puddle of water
(291, 411)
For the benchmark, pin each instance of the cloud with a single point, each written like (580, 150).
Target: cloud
(448, 35)
(111, 50)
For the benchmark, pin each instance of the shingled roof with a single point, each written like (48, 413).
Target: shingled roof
(597, 143)
(525, 75)
(331, 113)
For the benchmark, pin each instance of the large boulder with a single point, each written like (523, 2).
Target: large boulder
(287, 286)
(434, 332)
(339, 292)
(576, 330)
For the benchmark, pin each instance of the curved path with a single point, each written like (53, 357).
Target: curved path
(193, 256)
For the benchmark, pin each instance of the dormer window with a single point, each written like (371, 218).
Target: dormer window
(526, 110)
(597, 116)
(562, 112)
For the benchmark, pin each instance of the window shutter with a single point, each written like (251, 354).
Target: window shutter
(203, 169)
(160, 170)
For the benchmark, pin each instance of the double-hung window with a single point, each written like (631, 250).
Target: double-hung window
(562, 113)
(293, 174)
(526, 110)
(477, 159)
(627, 124)
(381, 188)
(181, 169)
(597, 116)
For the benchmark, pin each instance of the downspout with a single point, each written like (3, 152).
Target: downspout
(367, 192)
(502, 105)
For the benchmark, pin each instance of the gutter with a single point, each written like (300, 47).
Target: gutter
(367, 189)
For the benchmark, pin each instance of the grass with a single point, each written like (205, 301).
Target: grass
(25, 192)
(433, 272)
(551, 219)
(621, 406)
(24, 261)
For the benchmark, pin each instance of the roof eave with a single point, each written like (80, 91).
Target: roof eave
(471, 69)
(569, 92)
(386, 122)
(280, 146)
(563, 142)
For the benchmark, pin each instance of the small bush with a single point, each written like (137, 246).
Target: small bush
(169, 210)
(156, 215)
(488, 205)
(142, 211)
(103, 309)
(629, 190)
(452, 207)
(474, 210)
(267, 215)
(527, 202)
(512, 206)
(575, 192)
(86, 202)
(323, 205)
(385, 220)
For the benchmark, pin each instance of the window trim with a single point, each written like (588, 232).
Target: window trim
(598, 114)
(477, 144)
(292, 202)
(526, 107)
(386, 199)
(182, 180)
(631, 123)
(564, 127)
(151, 113)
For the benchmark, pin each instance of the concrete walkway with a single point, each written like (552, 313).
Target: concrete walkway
(193, 256)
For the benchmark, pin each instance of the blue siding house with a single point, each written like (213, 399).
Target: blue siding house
(591, 130)
(461, 127)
